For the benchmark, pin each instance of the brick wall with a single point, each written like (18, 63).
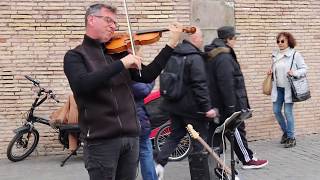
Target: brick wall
(259, 21)
(34, 36)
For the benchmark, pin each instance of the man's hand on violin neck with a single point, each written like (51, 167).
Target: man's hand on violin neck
(176, 31)
(131, 61)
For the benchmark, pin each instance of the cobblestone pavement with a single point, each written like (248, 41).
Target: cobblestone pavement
(300, 162)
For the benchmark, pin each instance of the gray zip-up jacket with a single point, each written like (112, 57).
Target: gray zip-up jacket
(299, 69)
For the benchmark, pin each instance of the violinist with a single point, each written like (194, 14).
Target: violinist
(101, 86)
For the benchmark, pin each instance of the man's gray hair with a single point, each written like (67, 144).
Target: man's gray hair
(95, 8)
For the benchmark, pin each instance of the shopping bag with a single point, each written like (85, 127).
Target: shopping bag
(267, 85)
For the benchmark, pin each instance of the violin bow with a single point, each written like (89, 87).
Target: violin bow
(130, 32)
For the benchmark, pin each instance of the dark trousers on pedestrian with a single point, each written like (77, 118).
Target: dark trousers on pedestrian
(240, 141)
(178, 131)
(112, 159)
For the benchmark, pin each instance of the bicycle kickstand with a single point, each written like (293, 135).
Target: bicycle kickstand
(74, 152)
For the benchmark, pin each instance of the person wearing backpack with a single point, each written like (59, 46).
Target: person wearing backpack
(186, 96)
(228, 93)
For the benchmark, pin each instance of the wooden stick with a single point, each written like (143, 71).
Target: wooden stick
(214, 155)
(195, 135)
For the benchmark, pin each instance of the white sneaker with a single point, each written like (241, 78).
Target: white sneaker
(160, 171)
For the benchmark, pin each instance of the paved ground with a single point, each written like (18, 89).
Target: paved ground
(301, 162)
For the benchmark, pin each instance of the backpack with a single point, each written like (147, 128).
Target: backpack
(171, 79)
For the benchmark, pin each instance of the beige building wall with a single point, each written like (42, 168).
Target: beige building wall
(34, 36)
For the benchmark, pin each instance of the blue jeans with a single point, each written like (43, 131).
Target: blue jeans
(148, 171)
(286, 122)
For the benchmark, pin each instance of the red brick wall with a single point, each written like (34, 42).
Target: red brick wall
(34, 36)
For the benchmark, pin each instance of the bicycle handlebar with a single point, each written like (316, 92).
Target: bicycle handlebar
(53, 96)
(37, 83)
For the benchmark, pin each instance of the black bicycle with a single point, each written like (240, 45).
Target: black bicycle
(27, 136)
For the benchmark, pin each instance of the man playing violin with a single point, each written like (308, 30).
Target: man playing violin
(100, 84)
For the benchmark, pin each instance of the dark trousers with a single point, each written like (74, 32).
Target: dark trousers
(178, 131)
(112, 159)
(240, 141)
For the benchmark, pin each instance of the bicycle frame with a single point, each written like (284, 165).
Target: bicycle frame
(35, 104)
(31, 119)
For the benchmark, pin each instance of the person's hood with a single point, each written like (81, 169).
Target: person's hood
(186, 48)
(216, 43)
(216, 47)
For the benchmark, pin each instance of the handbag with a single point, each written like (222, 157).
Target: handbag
(267, 85)
(299, 87)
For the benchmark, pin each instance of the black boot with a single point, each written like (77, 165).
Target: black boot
(291, 142)
(284, 139)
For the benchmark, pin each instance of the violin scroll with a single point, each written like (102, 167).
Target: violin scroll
(190, 30)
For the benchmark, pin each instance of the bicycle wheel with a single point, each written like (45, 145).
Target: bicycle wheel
(22, 145)
(183, 148)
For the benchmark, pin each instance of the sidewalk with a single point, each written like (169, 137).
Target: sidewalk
(300, 162)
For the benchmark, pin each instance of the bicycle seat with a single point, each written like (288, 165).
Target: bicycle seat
(69, 127)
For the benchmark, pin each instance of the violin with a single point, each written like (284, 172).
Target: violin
(120, 42)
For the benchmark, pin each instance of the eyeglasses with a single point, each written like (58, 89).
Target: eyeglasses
(278, 42)
(107, 20)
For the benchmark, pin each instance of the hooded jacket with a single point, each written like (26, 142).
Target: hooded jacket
(195, 101)
(140, 91)
(226, 81)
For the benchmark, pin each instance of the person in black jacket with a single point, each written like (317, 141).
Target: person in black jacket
(194, 107)
(228, 92)
(101, 86)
